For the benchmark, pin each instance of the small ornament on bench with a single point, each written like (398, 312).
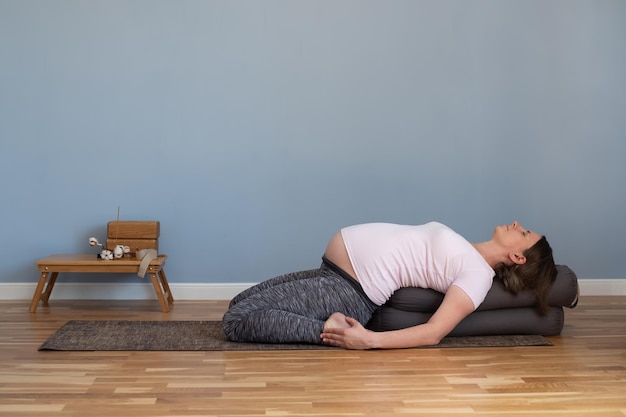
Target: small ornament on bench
(118, 252)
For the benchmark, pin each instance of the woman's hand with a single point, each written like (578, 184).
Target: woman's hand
(354, 337)
(348, 333)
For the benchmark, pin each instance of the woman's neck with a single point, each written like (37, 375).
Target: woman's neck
(491, 253)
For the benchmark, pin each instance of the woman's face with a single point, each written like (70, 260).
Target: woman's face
(515, 238)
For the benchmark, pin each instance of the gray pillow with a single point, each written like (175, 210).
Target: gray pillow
(563, 293)
(517, 320)
(500, 313)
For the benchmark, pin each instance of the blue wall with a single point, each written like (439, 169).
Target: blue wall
(253, 130)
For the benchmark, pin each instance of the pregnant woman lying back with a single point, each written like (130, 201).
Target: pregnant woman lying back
(362, 267)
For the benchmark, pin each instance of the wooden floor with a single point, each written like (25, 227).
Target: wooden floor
(583, 374)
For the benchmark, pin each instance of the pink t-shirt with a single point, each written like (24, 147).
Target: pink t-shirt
(386, 257)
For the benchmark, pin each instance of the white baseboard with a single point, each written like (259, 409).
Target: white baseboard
(144, 291)
(603, 287)
(126, 291)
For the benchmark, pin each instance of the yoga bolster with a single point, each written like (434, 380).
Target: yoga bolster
(517, 320)
(562, 293)
(500, 313)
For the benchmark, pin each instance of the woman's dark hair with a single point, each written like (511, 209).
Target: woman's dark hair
(538, 273)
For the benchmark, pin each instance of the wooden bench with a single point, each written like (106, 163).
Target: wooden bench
(137, 235)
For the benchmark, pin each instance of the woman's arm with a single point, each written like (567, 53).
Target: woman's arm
(455, 306)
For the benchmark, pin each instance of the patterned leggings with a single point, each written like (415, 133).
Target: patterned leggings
(292, 308)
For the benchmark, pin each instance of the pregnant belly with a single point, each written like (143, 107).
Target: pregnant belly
(336, 253)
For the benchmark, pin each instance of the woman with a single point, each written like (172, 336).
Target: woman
(362, 267)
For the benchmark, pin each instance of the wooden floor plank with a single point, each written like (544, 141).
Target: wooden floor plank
(583, 374)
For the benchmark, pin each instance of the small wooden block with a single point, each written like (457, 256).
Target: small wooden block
(133, 230)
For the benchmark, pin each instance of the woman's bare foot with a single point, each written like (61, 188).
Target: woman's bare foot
(336, 321)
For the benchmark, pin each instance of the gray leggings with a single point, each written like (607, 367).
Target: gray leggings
(292, 308)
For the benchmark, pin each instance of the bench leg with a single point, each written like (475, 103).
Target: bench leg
(166, 286)
(46, 294)
(159, 291)
(40, 294)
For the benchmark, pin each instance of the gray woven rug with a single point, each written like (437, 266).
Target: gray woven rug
(80, 335)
